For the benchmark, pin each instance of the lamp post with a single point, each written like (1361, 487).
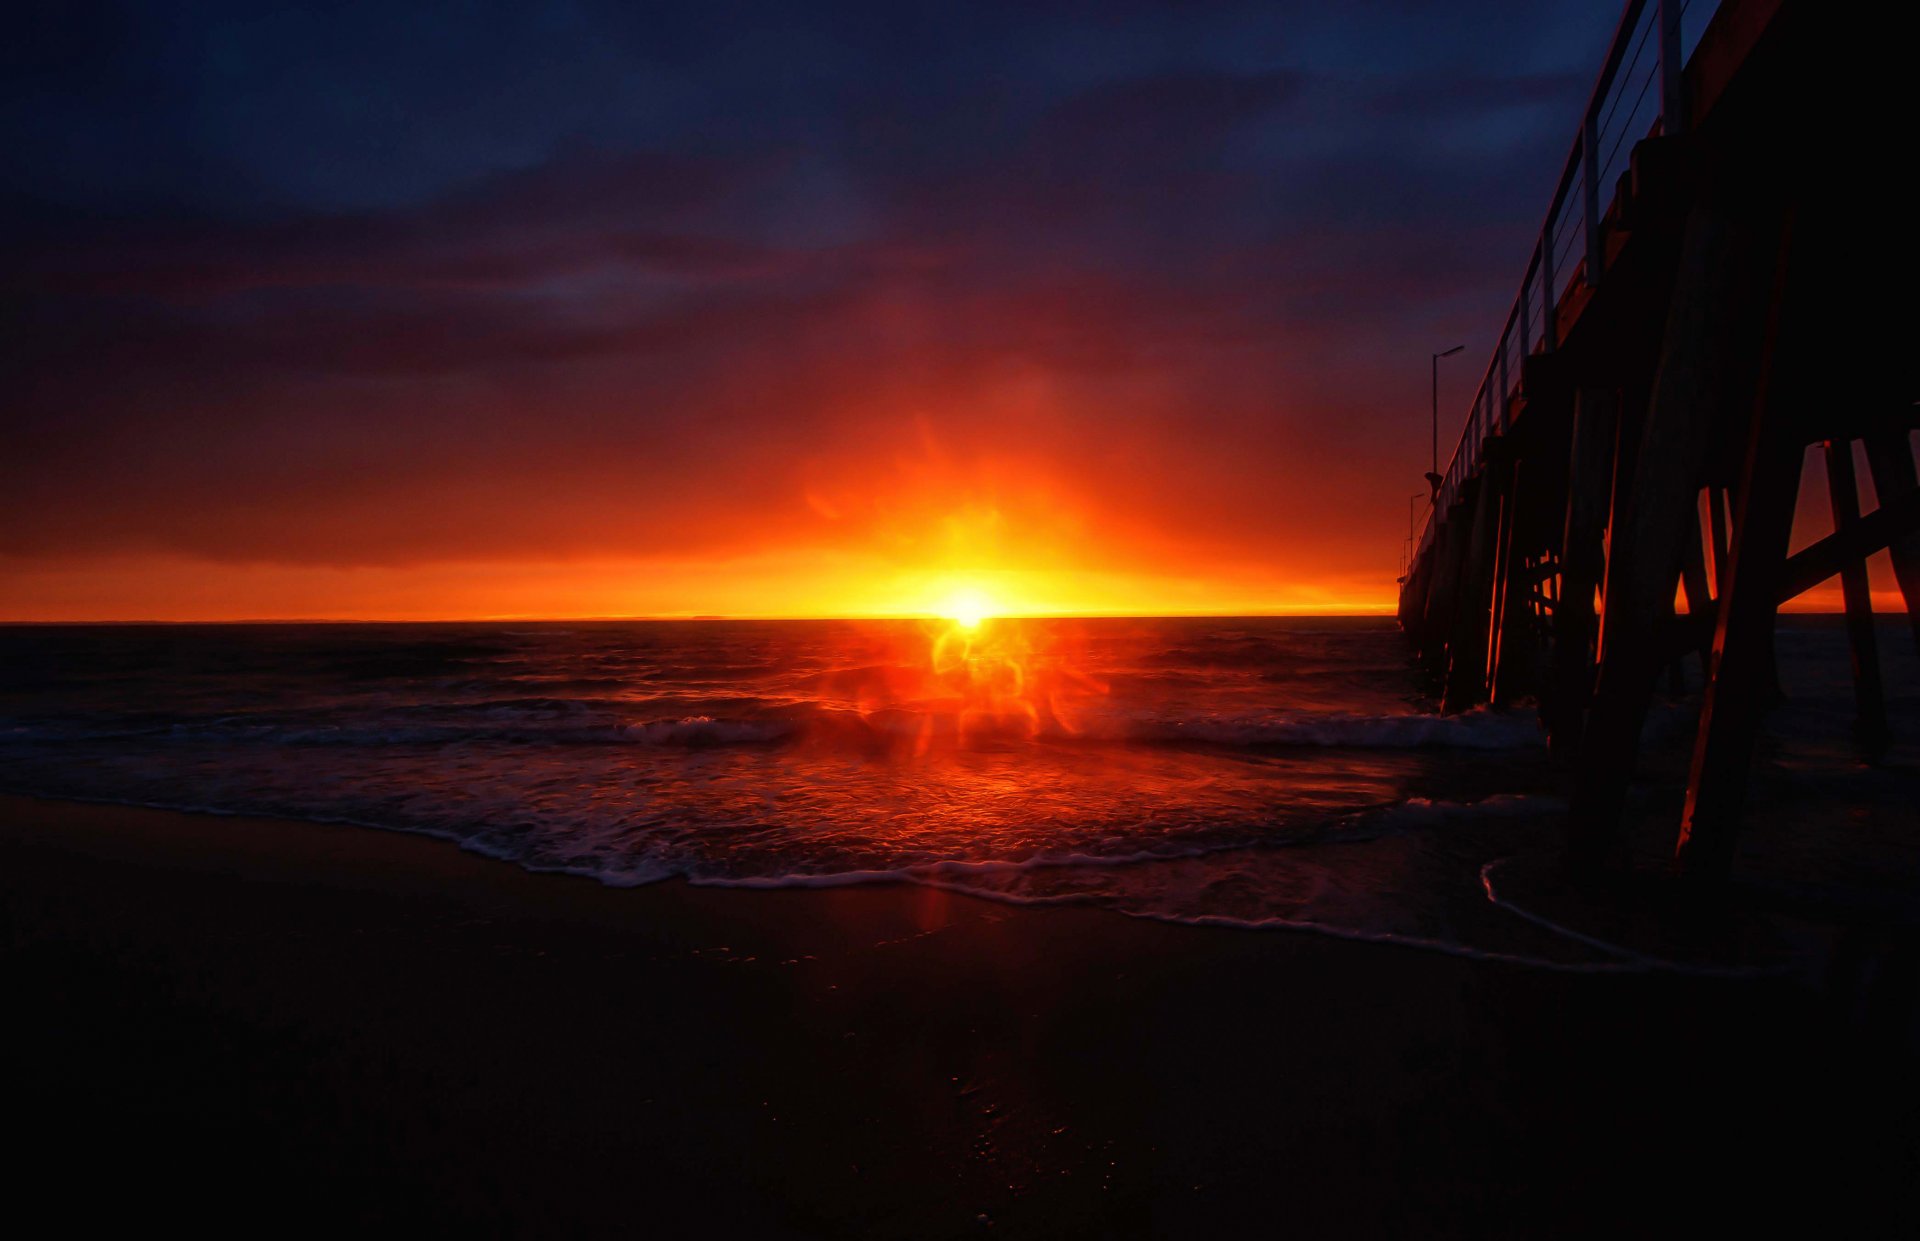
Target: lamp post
(1434, 478)
(1406, 548)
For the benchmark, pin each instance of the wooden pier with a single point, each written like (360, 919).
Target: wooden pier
(1621, 499)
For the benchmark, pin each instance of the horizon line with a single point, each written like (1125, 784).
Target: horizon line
(711, 617)
(670, 617)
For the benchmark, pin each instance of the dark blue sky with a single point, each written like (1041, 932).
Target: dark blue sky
(394, 284)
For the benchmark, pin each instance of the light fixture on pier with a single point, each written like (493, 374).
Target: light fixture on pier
(1434, 477)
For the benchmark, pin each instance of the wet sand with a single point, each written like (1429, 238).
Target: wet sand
(287, 1027)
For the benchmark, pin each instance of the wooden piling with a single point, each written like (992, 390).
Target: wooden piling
(1467, 650)
(1890, 461)
(1443, 594)
(1744, 683)
(1504, 573)
(1870, 704)
(1582, 563)
(1513, 664)
(1718, 502)
(1655, 504)
(1693, 579)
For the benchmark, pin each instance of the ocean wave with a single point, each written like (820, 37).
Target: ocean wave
(562, 722)
(1480, 729)
(683, 731)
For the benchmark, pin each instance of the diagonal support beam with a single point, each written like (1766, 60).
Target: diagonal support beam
(1885, 526)
(1870, 700)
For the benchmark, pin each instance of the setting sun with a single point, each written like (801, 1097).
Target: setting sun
(967, 608)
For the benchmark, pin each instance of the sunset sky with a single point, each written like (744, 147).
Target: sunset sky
(745, 309)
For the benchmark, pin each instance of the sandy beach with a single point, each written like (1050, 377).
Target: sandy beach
(245, 1024)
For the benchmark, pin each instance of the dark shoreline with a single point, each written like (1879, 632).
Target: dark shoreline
(248, 1024)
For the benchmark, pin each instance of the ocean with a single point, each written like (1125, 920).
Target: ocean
(1247, 772)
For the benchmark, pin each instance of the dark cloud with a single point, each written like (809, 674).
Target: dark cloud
(352, 285)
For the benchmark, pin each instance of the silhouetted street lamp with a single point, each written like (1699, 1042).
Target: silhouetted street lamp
(1434, 478)
(1406, 548)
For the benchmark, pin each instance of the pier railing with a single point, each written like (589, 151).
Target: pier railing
(1637, 95)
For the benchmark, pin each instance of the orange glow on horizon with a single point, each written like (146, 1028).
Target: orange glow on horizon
(922, 533)
(771, 586)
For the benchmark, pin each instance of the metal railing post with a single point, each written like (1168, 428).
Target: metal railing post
(1590, 193)
(1526, 311)
(1506, 385)
(1550, 296)
(1673, 107)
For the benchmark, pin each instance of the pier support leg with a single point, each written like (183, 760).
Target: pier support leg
(1510, 667)
(1718, 502)
(1467, 653)
(1870, 704)
(1442, 595)
(1412, 603)
(1693, 578)
(1652, 514)
(1744, 683)
(1502, 538)
(1891, 461)
(1743, 687)
(1582, 561)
